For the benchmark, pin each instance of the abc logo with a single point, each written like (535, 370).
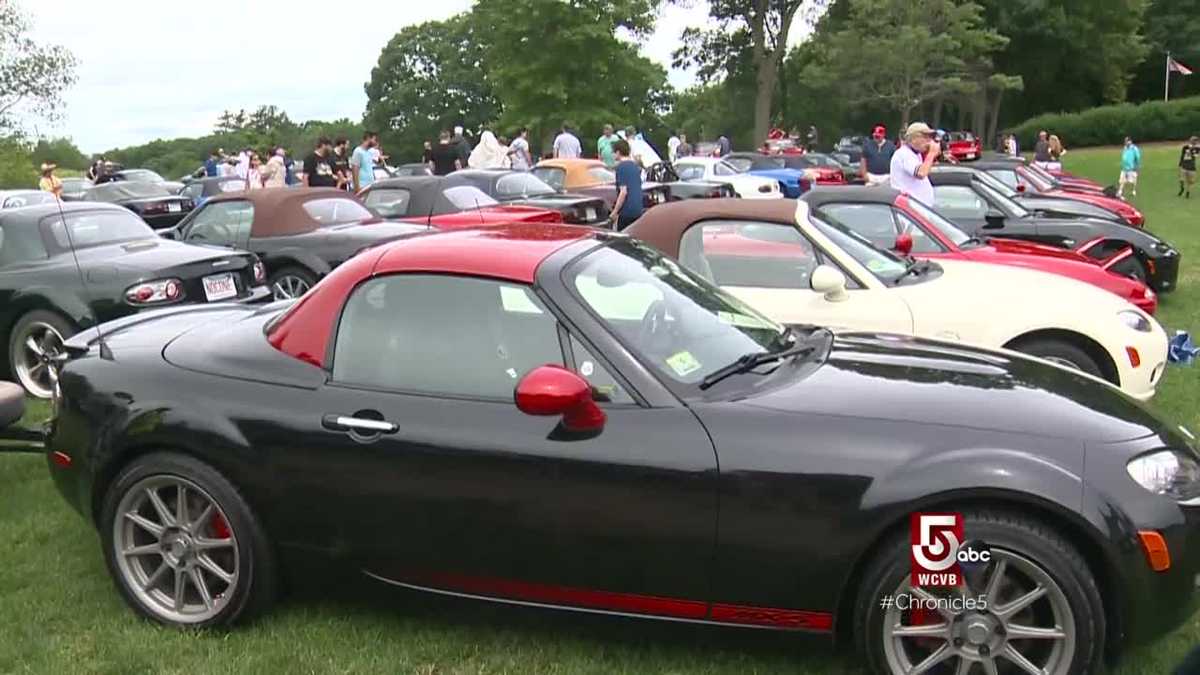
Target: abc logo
(970, 554)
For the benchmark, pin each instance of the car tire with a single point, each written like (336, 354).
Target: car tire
(1031, 553)
(224, 555)
(1134, 268)
(47, 329)
(1063, 353)
(291, 282)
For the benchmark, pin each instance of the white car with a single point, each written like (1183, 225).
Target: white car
(715, 168)
(796, 268)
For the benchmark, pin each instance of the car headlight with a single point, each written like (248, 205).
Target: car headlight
(1135, 321)
(1169, 473)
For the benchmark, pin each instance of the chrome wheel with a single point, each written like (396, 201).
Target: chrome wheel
(175, 550)
(1027, 626)
(34, 347)
(288, 287)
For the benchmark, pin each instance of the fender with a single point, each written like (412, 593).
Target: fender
(291, 255)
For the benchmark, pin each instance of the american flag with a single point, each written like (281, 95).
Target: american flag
(1174, 66)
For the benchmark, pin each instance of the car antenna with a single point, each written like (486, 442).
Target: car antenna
(105, 352)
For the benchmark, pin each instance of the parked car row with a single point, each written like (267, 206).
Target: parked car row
(635, 437)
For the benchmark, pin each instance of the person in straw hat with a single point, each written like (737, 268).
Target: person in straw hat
(912, 162)
(50, 182)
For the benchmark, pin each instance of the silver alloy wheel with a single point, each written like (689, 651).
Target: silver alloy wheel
(1028, 626)
(288, 287)
(36, 345)
(175, 550)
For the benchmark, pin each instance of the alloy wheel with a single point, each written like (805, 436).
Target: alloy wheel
(175, 549)
(36, 345)
(1027, 626)
(288, 287)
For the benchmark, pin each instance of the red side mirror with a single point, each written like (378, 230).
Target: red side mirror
(904, 243)
(554, 390)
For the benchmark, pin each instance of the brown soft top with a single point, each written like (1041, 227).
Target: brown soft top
(664, 225)
(279, 211)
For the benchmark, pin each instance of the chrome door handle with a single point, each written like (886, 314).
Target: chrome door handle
(358, 425)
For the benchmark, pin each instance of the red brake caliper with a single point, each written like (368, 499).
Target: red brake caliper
(219, 527)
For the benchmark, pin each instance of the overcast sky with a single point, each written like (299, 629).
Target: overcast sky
(166, 68)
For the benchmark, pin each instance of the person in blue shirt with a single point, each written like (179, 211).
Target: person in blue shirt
(210, 164)
(628, 206)
(362, 164)
(1131, 164)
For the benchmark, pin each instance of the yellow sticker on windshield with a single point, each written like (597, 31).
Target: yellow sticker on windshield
(683, 363)
(876, 265)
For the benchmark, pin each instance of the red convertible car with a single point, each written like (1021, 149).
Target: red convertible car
(891, 220)
(1029, 178)
(964, 146)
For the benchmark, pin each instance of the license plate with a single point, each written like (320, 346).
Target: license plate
(174, 207)
(970, 155)
(219, 287)
(590, 215)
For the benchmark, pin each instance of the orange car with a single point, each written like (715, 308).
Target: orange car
(590, 177)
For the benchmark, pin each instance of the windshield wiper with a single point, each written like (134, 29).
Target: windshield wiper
(914, 268)
(748, 362)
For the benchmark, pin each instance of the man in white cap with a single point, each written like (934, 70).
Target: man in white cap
(912, 162)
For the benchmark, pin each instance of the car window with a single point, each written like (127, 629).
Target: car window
(675, 321)
(922, 242)
(871, 221)
(1005, 176)
(388, 202)
(948, 229)
(94, 228)
(553, 176)
(740, 164)
(879, 262)
(959, 201)
(232, 185)
(465, 197)
(222, 224)
(605, 387)
(724, 169)
(193, 190)
(602, 175)
(522, 184)
(997, 198)
(760, 255)
(20, 244)
(689, 171)
(443, 335)
(335, 211)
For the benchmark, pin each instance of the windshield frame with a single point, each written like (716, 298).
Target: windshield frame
(1010, 208)
(570, 272)
(1039, 182)
(931, 218)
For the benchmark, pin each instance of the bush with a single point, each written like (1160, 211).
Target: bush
(1109, 125)
(16, 164)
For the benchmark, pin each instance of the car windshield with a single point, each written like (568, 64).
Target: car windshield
(990, 180)
(336, 211)
(769, 163)
(522, 184)
(467, 197)
(947, 228)
(115, 192)
(142, 176)
(689, 171)
(961, 136)
(94, 228)
(1010, 207)
(682, 325)
(882, 264)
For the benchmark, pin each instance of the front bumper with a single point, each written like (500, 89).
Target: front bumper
(1141, 381)
(1164, 272)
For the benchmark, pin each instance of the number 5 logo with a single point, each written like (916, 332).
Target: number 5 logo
(935, 539)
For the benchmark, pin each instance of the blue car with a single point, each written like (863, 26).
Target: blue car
(792, 182)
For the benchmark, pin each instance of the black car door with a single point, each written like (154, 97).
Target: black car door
(431, 474)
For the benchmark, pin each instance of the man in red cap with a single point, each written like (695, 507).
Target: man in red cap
(877, 157)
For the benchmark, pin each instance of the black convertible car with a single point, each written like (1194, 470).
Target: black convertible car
(299, 233)
(965, 199)
(525, 189)
(160, 208)
(1000, 174)
(126, 267)
(562, 417)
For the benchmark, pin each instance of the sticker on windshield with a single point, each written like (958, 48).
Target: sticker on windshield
(683, 363)
(877, 265)
(586, 369)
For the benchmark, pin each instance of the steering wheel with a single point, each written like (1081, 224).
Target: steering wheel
(654, 336)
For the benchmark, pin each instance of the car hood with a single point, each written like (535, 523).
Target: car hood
(1062, 207)
(906, 379)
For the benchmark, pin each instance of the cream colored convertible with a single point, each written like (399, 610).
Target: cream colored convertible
(796, 268)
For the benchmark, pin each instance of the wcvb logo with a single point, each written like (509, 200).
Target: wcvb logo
(937, 549)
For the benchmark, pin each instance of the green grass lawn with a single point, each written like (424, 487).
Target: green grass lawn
(60, 614)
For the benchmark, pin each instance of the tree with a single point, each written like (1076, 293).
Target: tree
(231, 122)
(557, 60)
(1170, 26)
(31, 75)
(430, 77)
(60, 151)
(759, 28)
(902, 54)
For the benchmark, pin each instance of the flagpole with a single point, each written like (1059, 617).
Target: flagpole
(1167, 80)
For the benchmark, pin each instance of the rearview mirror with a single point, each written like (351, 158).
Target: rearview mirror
(904, 243)
(829, 282)
(553, 390)
(994, 219)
